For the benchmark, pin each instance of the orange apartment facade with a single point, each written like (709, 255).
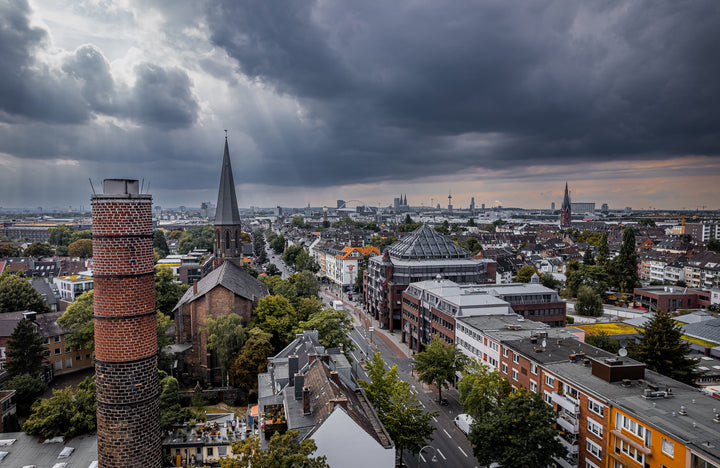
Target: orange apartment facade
(612, 412)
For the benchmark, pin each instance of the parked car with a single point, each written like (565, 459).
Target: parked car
(464, 422)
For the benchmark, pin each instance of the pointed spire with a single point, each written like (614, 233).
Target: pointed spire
(226, 211)
(566, 199)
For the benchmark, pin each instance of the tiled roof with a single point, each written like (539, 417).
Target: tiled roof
(426, 243)
(231, 277)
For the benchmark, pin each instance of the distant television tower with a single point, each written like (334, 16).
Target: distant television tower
(450, 207)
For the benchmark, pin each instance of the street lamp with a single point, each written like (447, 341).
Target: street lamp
(434, 457)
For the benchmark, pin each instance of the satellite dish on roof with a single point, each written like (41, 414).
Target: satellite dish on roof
(622, 352)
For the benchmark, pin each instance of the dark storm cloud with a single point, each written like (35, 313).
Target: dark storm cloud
(83, 86)
(408, 89)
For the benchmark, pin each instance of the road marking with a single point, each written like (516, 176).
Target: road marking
(441, 454)
(356, 343)
(423, 458)
(421, 404)
(461, 451)
(446, 433)
(435, 419)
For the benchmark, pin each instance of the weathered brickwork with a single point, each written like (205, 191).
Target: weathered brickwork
(125, 331)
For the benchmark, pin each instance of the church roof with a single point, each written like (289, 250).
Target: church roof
(425, 243)
(566, 198)
(226, 212)
(230, 276)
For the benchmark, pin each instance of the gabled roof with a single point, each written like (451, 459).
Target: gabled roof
(226, 212)
(231, 277)
(426, 243)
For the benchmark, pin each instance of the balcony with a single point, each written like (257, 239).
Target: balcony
(570, 462)
(566, 402)
(568, 423)
(570, 442)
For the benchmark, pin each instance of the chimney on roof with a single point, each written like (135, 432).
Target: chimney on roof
(339, 401)
(311, 358)
(306, 400)
(325, 358)
(335, 377)
(30, 315)
(194, 286)
(292, 368)
(299, 385)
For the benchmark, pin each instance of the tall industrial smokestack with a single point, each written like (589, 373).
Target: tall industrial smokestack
(128, 404)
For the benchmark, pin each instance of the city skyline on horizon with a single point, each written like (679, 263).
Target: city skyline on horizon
(362, 102)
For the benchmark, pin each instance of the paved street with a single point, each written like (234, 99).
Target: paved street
(451, 446)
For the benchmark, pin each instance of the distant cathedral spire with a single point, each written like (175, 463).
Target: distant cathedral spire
(566, 209)
(227, 217)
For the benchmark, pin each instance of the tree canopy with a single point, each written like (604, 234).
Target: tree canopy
(481, 391)
(663, 350)
(25, 350)
(80, 248)
(16, 293)
(276, 315)
(160, 243)
(398, 408)
(519, 433)
(333, 326)
(283, 451)
(226, 336)
(525, 273)
(589, 303)
(78, 319)
(66, 413)
(251, 360)
(278, 244)
(626, 263)
(171, 412)
(438, 363)
(39, 249)
(27, 389)
(167, 291)
(196, 238)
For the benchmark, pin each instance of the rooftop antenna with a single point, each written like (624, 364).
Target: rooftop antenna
(148, 187)
(91, 186)
(226, 134)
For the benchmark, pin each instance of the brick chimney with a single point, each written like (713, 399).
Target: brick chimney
(306, 400)
(128, 404)
(299, 385)
(335, 377)
(292, 368)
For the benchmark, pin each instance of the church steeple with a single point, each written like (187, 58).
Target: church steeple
(228, 229)
(566, 209)
(226, 212)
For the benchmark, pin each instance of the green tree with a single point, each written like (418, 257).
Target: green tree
(307, 306)
(162, 324)
(174, 235)
(646, 222)
(525, 273)
(278, 244)
(438, 364)
(25, 350)
(472, 245)
(283, 451)
(304, 262)
(272, 270)
(379, 241)
(549, 281)
(196, 238)
(626, 263)
(167, 292)
(66, 413)
(603, 341)
(298, 222)
(251, 360)
(588, 258)
(603, 255)
(39, 249)
(16, 293)
(517, 434)
(712, 244)
(482, 391)
(27, 389)
(594, 276)
(663, 350)
(61, 236)
(80, 248)
(471, 223)
(444, 228)
(362, 266)
(226, 337)
(589, 303)
(160, 244)
(78, 319)
(287, 289)
(276, 315)
(407, 423)
(9, 250)
(306, 284)
(171, 412)
(333, 326)
(290, 253)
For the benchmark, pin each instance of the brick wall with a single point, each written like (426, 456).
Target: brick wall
(125, 330)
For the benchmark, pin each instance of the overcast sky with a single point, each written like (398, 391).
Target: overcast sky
(503, 101)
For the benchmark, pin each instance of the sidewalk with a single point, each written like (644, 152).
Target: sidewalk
(393, 340)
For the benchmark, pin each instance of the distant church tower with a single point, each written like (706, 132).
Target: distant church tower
(565, 211)
(228, 244)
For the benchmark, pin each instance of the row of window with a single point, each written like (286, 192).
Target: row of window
(443, 322)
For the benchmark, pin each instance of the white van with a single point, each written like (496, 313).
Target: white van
(464, 422)
(337, 305)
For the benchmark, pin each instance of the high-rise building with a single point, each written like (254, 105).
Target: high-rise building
(552, 206)
(126, 369)
(566, 209)
(228, 227)
(450, 207)
(472, 205)
(340, 204)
